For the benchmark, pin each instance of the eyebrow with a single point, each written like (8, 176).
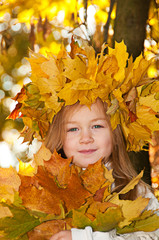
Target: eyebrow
(94, 120)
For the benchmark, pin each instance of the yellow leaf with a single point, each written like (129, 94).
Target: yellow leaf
(102, 56)
(5, 212)
(84, 84)
(56, 81)
(93, 177)
(140, 71)
(120, 50)
(9, 183)
(142, 223)
(42, 155)
(92, 62)
(139, 132)
(150, 101)
(147, 117)
(74, 68)
(27, 121)
(127, 188)
(137, 206)
(51, 102)
(71, 96)
(108, 175)
(118, 95)
(26, 169)
(115, 119)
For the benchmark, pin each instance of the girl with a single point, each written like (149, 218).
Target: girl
(85, 134)
(85, 94)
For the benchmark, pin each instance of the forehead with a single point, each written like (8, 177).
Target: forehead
(77, 112)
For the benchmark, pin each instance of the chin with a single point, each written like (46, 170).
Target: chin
(85, 164)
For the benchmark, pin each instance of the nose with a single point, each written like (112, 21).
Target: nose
(86, 136)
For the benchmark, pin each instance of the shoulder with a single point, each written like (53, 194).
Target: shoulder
(146, 192)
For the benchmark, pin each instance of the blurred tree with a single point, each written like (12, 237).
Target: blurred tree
(130, 24)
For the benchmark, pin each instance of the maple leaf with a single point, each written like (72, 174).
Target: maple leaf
(120, 50)
(75, 49)
(103, 221)
(26, 169)
(74, 68)
(49, 77)
(137, 206)
(60, 168)
(46, 230)
(147, 222)
(150, 120)
(93, 177)
(150, 101)
(21, 96)
(113, 198)
(60, 196)
(27, 133)
(19, 224)
(9, 183)
(16, 112)
(43, 154)
(22, 220)
(41, 188)
(5, 212)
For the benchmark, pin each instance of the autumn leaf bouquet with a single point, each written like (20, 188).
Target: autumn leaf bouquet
(56, 195)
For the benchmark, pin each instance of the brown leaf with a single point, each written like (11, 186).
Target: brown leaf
(99, 194)
(45, 230)
(27, 133)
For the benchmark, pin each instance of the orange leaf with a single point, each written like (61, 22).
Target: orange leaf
(45, 230)
(15, 113)
(132, 116)
(93, 177)
(21, 96)
(96, 207)
(59, 167)
(75, 48)
(42, 193)
(9, 183)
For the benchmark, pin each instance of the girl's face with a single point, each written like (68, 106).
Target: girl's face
(87, 136)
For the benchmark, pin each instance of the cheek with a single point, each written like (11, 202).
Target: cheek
(107, 144)
(68, 146)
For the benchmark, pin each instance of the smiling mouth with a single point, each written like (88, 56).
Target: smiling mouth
(88, 151)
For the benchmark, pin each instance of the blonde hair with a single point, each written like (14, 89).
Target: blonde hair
(119, 161)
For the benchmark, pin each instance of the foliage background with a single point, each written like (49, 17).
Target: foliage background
(42, 26)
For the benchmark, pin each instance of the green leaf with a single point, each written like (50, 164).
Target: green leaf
(79, 219)
(107, 220)
(149, 224)
(23, 220)
(17, 226)
(103, 221)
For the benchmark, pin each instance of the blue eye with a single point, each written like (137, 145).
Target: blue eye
(97, 126)
(73, 129)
